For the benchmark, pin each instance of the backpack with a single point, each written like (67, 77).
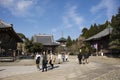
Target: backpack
(38, 60)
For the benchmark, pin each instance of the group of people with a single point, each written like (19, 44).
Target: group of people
(45, 60)
(83, 57)
(62, 57)
(49, 59)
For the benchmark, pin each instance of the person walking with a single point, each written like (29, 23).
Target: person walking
(87, 56)
(52, 60)
(66, 57)
(80, 57)
(63, 57)
(44, 61)
(38, 62)
(37, 58)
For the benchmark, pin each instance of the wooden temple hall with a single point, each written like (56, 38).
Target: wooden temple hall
(8, 41)
(47, 41)
(100, 41)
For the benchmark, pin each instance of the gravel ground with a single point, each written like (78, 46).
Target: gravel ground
(23, 62)
(112, 75)
(98, 68)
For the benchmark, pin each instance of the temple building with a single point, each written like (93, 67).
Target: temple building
(47, 41)
(101, 40)
(8, 40)
(62, 41)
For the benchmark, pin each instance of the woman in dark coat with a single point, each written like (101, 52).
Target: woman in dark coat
(44, 62)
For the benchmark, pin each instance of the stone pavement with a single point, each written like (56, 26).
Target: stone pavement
(99, 68)
(6, 71)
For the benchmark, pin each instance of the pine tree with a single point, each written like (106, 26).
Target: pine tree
(69, 41)
(115, 36)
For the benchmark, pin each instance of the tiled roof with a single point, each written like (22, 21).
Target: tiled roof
(45, 39)
(8, 28)
(101, 34)
(3, 24)
(62, 39)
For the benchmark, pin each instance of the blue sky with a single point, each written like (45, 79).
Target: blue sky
(32, 17)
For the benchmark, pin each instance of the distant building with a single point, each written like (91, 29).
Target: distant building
(62, 41)
(46, 40)
(8, 40)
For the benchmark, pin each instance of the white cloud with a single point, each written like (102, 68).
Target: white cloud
(109, 5)
(72, 18)
(21, 7)
(66, 22)
(72, 13)
(6, 3)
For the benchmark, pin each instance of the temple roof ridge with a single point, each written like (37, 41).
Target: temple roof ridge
(4, 24)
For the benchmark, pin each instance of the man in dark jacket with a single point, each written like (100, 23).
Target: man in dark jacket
(80, 58)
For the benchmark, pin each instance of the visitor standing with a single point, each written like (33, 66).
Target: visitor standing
(80, 57)
(66, 57)
(44, 61)
(59, 58)
(63, 57)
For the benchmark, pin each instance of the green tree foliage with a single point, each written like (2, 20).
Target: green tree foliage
(36, 47)
(21, 45)
(103, 26)
(90, 32)
(33, 47)
(116, 26)
(22, 36)
(115, 36)
(69, 41)
(28, 45)
(85, 32)
(94, 29)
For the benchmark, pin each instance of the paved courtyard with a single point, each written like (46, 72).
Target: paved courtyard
(98, 68)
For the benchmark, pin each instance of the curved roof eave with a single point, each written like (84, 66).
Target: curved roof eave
(101, 34)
